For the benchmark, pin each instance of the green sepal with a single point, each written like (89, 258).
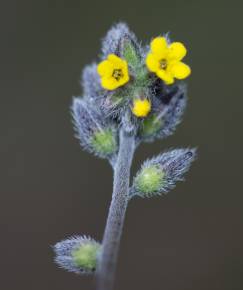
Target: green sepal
(131, 55)
(104, 141)
(149, 180)
(150, 126)
(85, 256)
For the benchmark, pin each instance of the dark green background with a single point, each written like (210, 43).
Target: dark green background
(50, 189)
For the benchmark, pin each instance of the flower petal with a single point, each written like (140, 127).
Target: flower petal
(152, 63)
(123, 80)
(167, 77)
(159, 46)
(124, 67)
(105, 68)
(180, 70)
(177, 51)
(109, 83)
(115, 60)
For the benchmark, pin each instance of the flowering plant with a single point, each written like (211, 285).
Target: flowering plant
(134, 95)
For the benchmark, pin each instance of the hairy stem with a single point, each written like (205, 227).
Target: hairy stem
(111, 240)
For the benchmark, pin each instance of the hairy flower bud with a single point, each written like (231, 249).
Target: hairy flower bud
(169, 104)
(96, 134)
(159, 175)
(116, 38)
(77, 254)
(90, 82)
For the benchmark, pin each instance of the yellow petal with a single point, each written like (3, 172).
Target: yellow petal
(159, 46)
(152, 62)
(141, 108)
(105, 68)
(124, 67)
(123, 80)
(180, 70)
(115, 60)
(109, 83)
(167, 77)
(177, 51)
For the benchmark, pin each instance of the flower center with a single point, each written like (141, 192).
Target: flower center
(163, 63)
(117, 74)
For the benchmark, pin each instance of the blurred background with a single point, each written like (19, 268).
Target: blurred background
(51, 189)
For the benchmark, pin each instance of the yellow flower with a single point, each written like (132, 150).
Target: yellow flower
(113, 72)
(141, 108)
(165, 60)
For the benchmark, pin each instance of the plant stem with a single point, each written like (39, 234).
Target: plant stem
(111, 240)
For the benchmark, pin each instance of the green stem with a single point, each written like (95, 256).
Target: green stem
(111, 240)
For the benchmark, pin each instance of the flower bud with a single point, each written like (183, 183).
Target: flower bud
(96, 134)
(116, 39)
(175, 101)
(77, 254)
(159, 175)
(141, 108)
(169, 104)
(91, 83)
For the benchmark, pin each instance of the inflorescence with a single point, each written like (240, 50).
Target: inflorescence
(137, 89)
